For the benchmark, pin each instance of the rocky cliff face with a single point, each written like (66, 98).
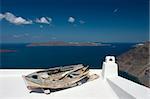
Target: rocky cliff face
(136, 62)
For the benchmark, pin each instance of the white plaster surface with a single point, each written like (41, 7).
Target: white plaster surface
(12, 86)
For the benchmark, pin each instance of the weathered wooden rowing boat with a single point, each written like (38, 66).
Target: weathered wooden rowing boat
(58, 78)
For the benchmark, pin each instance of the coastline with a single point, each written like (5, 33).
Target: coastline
(61, 43)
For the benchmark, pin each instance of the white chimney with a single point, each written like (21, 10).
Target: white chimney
(109, 67)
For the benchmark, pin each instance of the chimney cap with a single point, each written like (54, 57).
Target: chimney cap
(110, 59)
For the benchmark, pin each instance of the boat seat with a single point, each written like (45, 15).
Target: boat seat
(44, 75)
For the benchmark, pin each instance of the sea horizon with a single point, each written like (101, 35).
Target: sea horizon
(69, 41)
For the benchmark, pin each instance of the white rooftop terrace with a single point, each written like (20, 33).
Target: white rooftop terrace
(109, 85)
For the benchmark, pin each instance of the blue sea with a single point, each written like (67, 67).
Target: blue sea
(51, 56)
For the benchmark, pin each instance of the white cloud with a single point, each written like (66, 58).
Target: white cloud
(44, 20)
(71, 19)
(20, 35)
(41, 26)
(115, 10)
(50, 19)
(81, 22)
(16, 36)
(15, 20)
(1, 16)
(20, 20)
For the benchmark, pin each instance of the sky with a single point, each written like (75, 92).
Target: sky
(25, 21)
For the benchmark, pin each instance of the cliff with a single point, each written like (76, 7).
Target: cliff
(136, 62)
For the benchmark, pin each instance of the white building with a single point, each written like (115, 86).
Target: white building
(109, 85)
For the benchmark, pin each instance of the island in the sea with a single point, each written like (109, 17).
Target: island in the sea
(62, 43)
(6, 50)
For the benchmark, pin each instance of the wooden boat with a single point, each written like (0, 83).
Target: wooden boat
(58, 78)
